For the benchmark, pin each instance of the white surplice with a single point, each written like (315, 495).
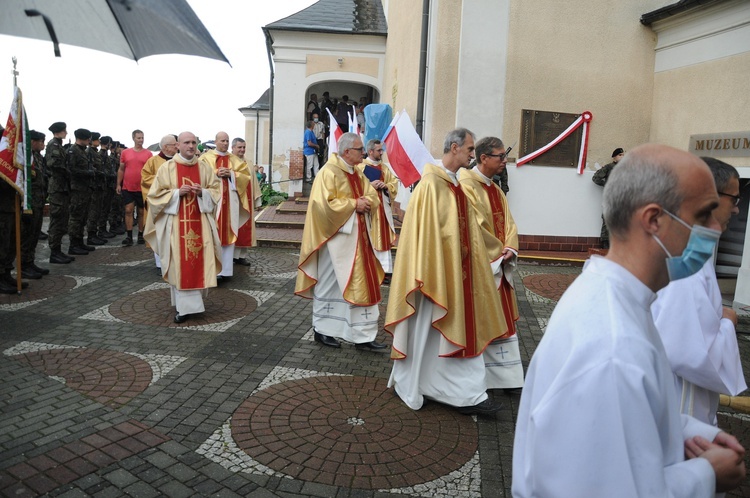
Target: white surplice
(701, 345)
(599, 414)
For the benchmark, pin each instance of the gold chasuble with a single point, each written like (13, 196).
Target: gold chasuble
(148, 173)
(495, 217)
(386, 236)
(442, 254)
(247, 236)
(333, 201)
(183, 232)
(232, 212)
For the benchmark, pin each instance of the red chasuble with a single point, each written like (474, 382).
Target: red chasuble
(191, 231)
(363, 242)
(510, 308)
(462, 203)
(224, 222)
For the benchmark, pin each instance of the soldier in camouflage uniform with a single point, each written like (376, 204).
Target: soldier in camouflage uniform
(59, 193)
(117, 212)
(81, 177)
(31, 224)
(600, 178)
(97, 185)
(110, 182)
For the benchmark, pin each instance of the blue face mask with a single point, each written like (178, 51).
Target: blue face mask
(699, 249)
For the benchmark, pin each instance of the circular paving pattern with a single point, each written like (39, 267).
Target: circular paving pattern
(549, 285)
(109, 377)
(264, 262)
(154, 307)
(351, 432)
(43, 288)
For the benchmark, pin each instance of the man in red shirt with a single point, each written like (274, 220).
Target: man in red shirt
(129, 185)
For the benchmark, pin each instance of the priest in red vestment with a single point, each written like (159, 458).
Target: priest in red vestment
(181, 226)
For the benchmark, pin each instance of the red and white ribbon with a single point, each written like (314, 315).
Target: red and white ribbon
(584, 119)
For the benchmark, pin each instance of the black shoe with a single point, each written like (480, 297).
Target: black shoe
(95, 241)
(127, 241)
(60, 258)
(373, 345)
(43, 271)
(387, 279)
(6, 288)
(141, 240)
(77, 250)
(103, 234)
(87, 247)
(513, 391)
(180, 318)
(117, 230)
(220, 279)
(6, 278)
(43, 236)
(30, 273)
(242, 261)
(327, 340)
(486, 407)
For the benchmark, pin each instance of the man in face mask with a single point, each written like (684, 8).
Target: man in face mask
(599, 388)
(698, 332)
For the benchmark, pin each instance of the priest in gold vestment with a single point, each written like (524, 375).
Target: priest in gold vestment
(444, 308)
(234, 208)
(181, 226)
(338, 267)
(247, 237)
(168, 148)
(502, 358)
(386, 185)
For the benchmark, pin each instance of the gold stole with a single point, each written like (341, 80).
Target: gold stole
(510, 306)
(463, 231)
(191, 231)
(224, 222)
(368, 261)
(385, 228)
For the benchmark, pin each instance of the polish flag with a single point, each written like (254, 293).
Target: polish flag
(335, 134)
(407, 154)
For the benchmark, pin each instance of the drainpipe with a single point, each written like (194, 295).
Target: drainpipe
(269, 50)
(422, 67)
(257, 136)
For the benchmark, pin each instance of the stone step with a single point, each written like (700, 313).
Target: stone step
(292, 207)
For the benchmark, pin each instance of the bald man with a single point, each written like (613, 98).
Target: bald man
(599, 414)
(234, 208)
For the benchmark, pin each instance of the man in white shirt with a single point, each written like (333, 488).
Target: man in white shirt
(697, 331)
(599, 413)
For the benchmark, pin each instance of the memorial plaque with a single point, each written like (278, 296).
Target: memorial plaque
(538, 128)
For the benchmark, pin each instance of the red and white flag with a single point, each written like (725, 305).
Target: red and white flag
(353, 124)
(407, 154)
(15, 151)
(334, 134)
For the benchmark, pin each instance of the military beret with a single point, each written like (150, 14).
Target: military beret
(95, 135)
(82, 134)
(57, 127)
(105, 140)
(617, 152)
(36, 135)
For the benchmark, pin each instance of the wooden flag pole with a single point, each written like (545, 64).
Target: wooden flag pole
(19, 282)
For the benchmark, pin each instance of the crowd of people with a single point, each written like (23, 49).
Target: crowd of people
(625, 381)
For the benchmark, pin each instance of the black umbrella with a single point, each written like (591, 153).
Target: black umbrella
(131, 28)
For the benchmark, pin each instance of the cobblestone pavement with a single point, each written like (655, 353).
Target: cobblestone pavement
(103, 395)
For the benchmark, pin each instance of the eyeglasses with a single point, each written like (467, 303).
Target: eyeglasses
(500, 156)
(736, 198)
(361, 149)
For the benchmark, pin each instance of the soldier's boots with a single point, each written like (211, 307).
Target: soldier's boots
(85, 247)
(77, 248)
(117, 229)
(6, 288)
(30, 273)
(43, 271)
(103, 234)
(94, 240)
(7, 279)
(60, 258)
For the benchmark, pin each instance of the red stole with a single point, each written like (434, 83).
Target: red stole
(463, 232)
(510, 308)
(385, 232)
(224, 221)
(363, 243)
(191, 231)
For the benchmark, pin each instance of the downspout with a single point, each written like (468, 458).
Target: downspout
(269, 50)
(423, 67)
(257, 136)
